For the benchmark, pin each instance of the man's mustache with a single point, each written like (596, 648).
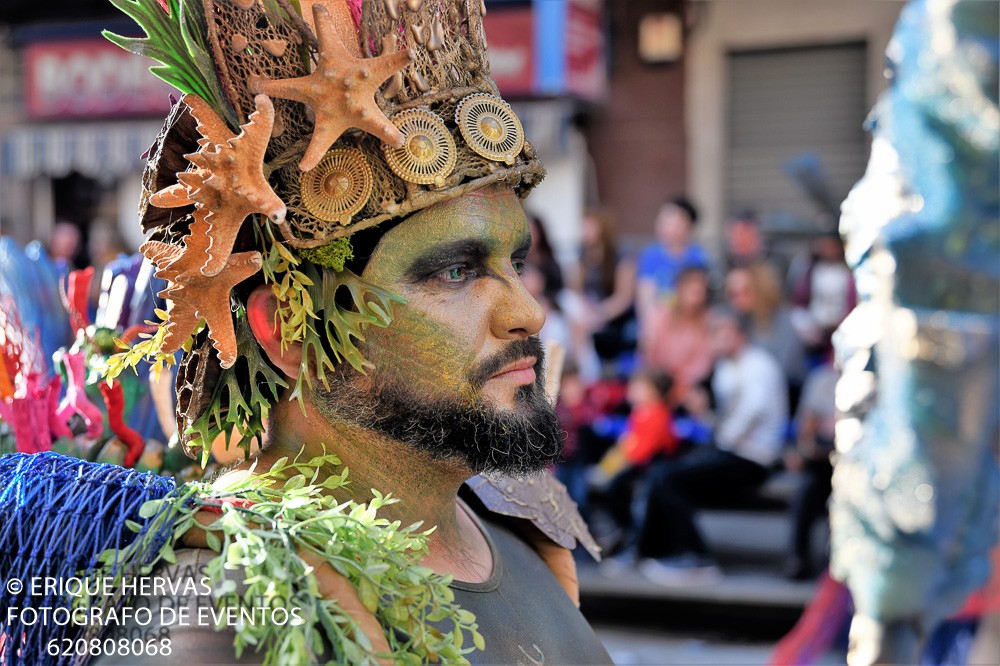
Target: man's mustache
(515, 351)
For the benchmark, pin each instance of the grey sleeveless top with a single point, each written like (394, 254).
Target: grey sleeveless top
(523, 612)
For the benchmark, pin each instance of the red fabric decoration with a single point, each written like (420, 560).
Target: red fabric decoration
(114, 400)
(77, 295)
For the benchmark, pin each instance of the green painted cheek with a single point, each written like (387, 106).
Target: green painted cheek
(424, 354)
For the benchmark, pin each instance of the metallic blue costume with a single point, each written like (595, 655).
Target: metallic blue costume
(915, 502)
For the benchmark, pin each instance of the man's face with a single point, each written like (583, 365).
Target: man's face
(744, 238)
(673, 226)
(739, 290)
(458, 373)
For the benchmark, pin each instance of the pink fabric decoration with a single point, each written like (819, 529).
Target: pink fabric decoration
(76, 400)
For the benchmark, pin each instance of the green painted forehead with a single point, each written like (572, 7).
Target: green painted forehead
(492, 217)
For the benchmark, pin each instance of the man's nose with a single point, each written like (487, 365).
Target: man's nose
(517, 314)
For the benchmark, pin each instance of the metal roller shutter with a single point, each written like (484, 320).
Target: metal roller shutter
(784, 104)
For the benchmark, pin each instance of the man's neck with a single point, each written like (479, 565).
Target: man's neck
(426, 489)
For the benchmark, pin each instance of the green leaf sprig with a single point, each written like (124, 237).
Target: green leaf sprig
(308, 312)
(147, 349)
(177, 39)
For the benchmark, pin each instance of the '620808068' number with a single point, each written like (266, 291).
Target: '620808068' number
(67, 647)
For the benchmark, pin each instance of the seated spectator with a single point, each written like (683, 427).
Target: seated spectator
(823, 293)
(660, 264)
(674, 340)
(815, 422)
(744, 240)
(648, 435)
(576, 413)
(755, 291)
(565, 321)
(543, 256)
(746, 244)
(605, 277)
(749, 426)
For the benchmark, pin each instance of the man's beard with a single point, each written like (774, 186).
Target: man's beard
(518, 441)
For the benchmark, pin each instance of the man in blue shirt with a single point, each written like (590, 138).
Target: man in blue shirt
(660, 263)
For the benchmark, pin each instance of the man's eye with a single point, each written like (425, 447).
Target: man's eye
(459, 273)
(519, 265)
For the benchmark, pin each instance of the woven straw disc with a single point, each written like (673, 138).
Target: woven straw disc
(428, 154)
(490, 127)
(339, 186)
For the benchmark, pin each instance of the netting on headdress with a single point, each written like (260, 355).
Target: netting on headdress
(447, 44)
(446, 40)
(57, 515)
(261, 40)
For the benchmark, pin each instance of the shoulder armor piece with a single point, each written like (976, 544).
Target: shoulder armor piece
(541, 499)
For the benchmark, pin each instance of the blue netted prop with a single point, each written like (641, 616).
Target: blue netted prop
(57, 515)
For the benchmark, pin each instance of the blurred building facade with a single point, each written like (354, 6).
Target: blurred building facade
(776, 95)
(742, 105)
(739, 104)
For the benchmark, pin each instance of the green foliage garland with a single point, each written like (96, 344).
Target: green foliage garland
(289, 510)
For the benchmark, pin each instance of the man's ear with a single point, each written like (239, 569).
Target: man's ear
(261, 309)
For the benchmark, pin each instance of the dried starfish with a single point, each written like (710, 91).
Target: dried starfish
(340, 91)
(228, 182)
(342, 19)
(195, 296)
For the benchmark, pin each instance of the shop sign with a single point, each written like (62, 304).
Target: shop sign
(548, 48)
(90, 78)
(510, 34)
(586, 73)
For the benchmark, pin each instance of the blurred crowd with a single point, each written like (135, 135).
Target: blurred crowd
(691, 382)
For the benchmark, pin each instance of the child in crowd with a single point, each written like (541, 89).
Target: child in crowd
(648, 435)
(576, 413)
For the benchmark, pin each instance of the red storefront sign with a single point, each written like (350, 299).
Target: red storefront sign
(510, 35)
(90, 78)
(570, 60)
(586, 75)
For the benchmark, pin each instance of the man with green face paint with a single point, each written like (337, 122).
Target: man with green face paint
(337, 199)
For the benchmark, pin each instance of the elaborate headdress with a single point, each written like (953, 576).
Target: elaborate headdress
(303, 121)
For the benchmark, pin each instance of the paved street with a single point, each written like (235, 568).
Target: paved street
(642, 646)
(628, 646)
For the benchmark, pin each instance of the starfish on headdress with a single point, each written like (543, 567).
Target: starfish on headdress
(340, 14)
(228, 182)
(195, 296)
(340, 91)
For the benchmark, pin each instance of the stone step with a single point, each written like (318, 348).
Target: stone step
(755, 536)
(736, 587)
